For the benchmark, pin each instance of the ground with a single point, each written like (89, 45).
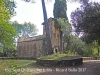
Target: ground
(29, 67)
(88, 68)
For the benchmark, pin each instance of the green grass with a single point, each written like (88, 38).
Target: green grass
(20, 63)
(14, 64)
(59, 57)
(28, 64)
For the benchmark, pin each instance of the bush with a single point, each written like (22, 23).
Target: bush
(58, 56)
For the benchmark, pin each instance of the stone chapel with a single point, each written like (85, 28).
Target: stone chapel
(33, 47)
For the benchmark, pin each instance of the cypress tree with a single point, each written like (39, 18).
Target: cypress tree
(60, 8)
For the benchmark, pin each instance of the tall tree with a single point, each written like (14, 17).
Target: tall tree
(60, 9)
(49, 45)
(92, 49)
(7, 32)
(10, 5)
(83, 2)
(74, 44)
(25, 28)
(87, 21)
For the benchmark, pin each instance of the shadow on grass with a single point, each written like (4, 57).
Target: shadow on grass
(88, 68)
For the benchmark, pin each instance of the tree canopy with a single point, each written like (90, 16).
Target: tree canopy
(65, 25)
(60, 8)
(10, 5)
(73, 44)
(25, 28)
(6, 30)
(86, 20)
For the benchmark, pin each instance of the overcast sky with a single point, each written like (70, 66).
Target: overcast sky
(28, 12)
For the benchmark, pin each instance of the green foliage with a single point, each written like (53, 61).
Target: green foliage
(53, 56)
(12, 70)
(64, 24)
(73, 44)
(61, 20)
(49, 45)
(86, 20)
(59, 56)
(7, 32)
(60, 8)
(92, 49)
(25, 28)
(17, 26)
(29, 29)
(9, 51)
(83, 2)
(10, 5)
(14, 67)
(60, 15)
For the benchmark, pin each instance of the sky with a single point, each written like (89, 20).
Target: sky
(29, 12)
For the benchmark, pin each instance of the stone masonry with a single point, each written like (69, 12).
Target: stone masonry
(33, 47)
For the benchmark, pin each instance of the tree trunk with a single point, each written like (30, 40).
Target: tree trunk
(61, 42)
(98, 51)
(49, 46)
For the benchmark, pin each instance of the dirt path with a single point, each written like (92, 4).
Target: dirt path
(88, 68)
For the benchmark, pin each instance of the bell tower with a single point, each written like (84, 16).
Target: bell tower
(54, 34)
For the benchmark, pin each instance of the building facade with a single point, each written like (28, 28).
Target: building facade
(33, 47)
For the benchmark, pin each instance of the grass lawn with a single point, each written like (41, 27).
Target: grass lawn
(27, 67)
(59, 57)
(13, 67)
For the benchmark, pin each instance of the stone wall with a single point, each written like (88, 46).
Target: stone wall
(54, 34)
(30, 47)
(33, 47)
